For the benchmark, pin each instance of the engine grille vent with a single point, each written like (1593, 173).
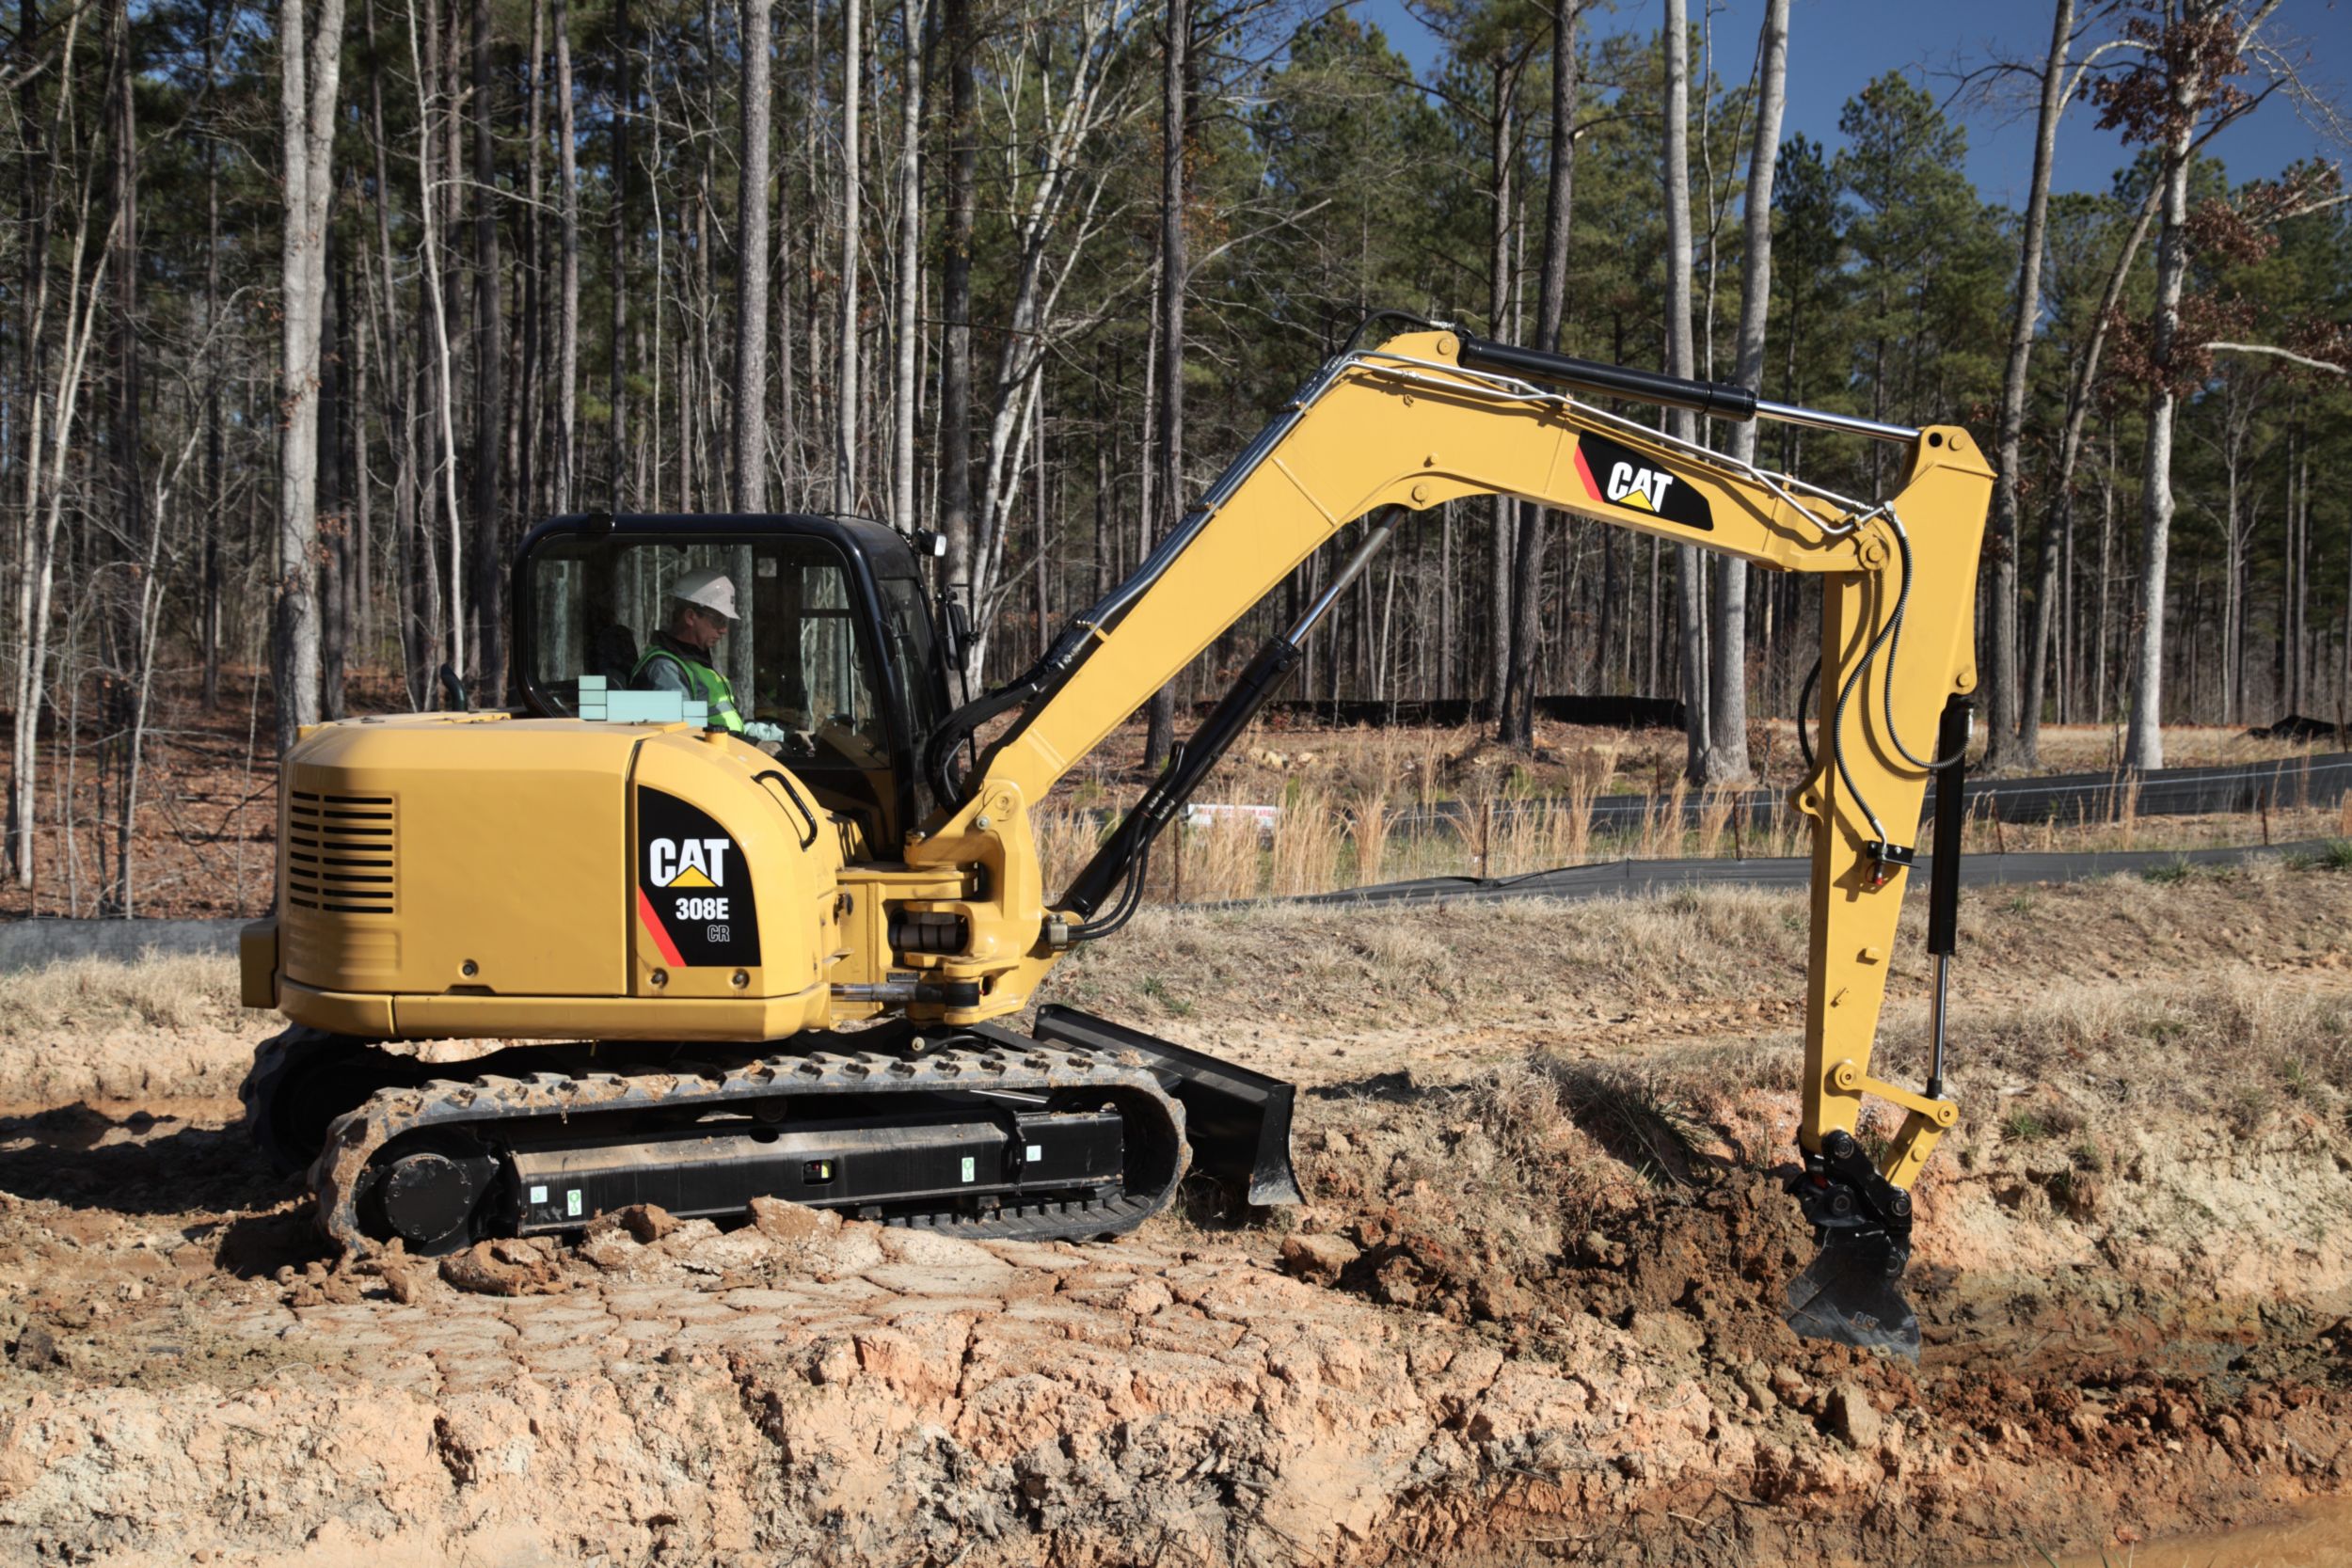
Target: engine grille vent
(340, 853)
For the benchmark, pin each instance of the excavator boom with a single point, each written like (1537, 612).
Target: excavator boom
(1435, 416)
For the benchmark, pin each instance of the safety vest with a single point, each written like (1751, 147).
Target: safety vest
(701, 680)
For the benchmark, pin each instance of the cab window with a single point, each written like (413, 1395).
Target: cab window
(794, 656)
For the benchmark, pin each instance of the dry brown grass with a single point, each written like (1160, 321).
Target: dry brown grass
(1661, 820)
(1586, 785)
(1229, 857)
(2235, 1047)
(1425, 765)
(1368, 837)
(1506, 1159)
(1066, 840)
(2098, 748)
(1397, 966)
(160, 991)
(1715, 808)
(1364, 841)
(1517, 836)
(1369, 819)
(1306, 842)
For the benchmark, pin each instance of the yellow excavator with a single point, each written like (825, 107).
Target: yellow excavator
(703, 969)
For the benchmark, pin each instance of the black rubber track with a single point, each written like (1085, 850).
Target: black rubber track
(997, 1061)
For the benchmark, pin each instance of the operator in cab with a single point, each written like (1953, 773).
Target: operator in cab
(679, 656)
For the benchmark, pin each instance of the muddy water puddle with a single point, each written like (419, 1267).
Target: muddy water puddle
(2318, 1536)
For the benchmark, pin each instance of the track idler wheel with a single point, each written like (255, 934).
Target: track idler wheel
(429, 1198)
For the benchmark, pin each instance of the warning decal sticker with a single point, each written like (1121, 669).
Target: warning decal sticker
(693, 891)
(1618, 475)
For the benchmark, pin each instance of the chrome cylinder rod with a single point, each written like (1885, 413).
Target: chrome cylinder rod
(1935, 1026)
(1348, 574)
(1820, 419)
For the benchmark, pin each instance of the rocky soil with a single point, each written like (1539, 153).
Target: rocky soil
(1531, 1313)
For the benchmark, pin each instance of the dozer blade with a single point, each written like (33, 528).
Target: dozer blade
(1237, 1121)
(1852, 1292)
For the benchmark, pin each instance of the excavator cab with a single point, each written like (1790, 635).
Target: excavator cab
(833, 654)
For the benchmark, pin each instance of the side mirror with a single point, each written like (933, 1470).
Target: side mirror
(955, 628)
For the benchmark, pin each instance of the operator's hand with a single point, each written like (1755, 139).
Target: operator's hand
(779, 740)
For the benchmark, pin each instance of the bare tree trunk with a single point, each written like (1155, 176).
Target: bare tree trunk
(356, 327)
(44, 493)
(36, 204)
(1502, 153)
(2306, 657)
(616, 424)
(2343, 653)
(751, 271)
(435, 321)
(2060, 520)
(334, 554)
(908, 343)
(311, 60)
(1169, 453)
(1445, 599)
(1727, 688)
(1517, 720)
(2144, 741)
(489, 336)
(2104, 638)
(2001, 666)
(2188, 90)
(2232, 586)
(208, 612)
(1049, 206)
(524, 415)
(955, 308)
(122, 628)
(420, 589)
(846, 393)
(1039, 478)
(1689, 578)
(568, 304)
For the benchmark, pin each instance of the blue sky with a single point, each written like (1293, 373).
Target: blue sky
(1838, 45)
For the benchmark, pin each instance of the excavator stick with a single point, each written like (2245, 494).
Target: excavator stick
(1851, 1291)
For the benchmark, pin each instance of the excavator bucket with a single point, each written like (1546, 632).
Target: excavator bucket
(1238, 1122)
(1852, 1292)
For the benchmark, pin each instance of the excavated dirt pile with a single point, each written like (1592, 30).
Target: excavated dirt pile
(1532, 1311)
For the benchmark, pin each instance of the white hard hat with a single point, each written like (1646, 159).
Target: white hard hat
(709, 588)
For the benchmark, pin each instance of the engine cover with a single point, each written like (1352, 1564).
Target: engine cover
(465, 875)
